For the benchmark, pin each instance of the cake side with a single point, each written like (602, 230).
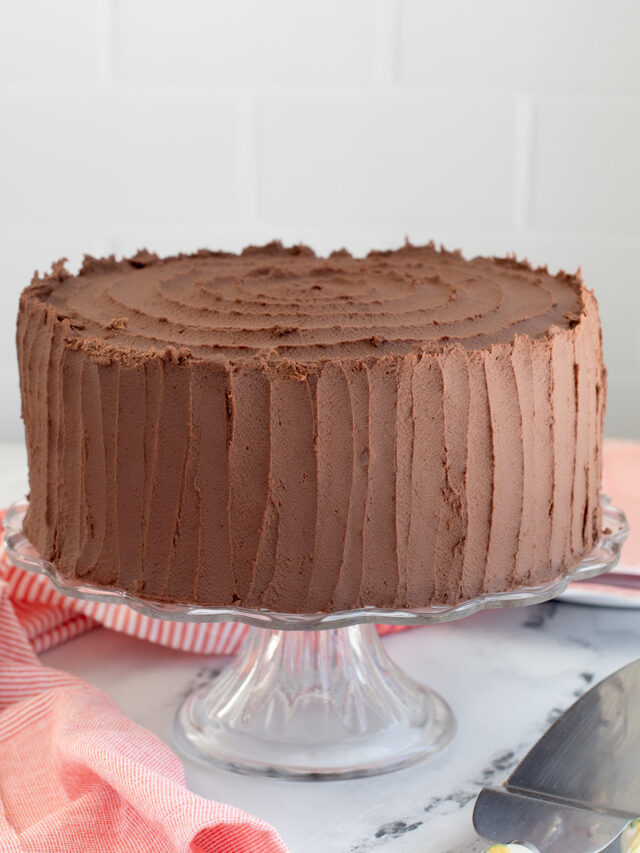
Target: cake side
(394, 479)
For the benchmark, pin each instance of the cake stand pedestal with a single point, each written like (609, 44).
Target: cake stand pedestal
(313, 705)
(315, 696)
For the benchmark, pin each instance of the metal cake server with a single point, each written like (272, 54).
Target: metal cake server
(579, 787)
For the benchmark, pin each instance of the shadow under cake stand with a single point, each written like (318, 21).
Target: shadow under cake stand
(315, 696)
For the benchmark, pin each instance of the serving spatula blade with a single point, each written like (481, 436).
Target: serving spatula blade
(579, 786)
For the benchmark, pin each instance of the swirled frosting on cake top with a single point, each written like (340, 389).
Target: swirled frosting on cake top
(286, 303)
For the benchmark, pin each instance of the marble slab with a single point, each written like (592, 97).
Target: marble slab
(507, 674)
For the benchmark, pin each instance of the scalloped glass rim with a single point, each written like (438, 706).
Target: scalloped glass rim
(603, 558)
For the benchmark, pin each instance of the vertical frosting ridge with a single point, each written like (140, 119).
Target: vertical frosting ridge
(523, 374)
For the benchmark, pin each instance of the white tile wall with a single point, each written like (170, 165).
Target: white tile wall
(540, 45)
(493, 126)
(192, 42)
(585, 165)
(110, 158)
(45, 42)
(386, 158)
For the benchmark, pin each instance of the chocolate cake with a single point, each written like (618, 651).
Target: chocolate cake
(276, 429)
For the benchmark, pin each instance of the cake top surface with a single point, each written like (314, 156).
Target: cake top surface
(278, 303)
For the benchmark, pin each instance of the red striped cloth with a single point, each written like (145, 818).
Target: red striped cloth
(50, 618)
(75, 774)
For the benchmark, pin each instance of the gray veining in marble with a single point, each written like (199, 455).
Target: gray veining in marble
(507, 674)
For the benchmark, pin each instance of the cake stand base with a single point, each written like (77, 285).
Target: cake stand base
(313, 705)
(314, 695)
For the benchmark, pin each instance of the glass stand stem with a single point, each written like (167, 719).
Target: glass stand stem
(313, 705)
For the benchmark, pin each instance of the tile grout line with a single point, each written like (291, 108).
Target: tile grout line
(385, 46)
(247, 172)
(523, 165)
(106, 16)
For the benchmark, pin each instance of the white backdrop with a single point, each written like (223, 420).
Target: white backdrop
(489, 125)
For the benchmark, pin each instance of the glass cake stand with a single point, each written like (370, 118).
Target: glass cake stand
(315, 696)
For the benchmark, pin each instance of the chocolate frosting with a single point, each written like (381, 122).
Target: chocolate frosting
(275, 303)
(280, 430)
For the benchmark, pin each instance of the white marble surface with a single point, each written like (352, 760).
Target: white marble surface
(507, 674)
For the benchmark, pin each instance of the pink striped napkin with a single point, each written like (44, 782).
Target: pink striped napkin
(49, 618)
(77, 776)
